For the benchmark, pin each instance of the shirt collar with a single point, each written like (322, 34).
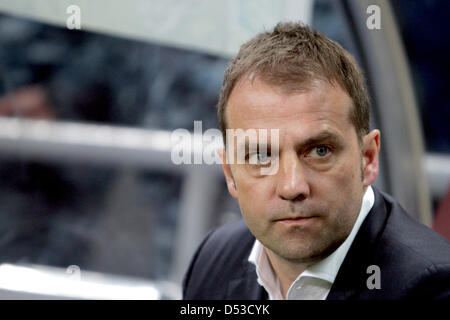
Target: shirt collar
(325, 269)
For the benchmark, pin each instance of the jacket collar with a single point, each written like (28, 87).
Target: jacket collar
(244, 284)
(352, 275)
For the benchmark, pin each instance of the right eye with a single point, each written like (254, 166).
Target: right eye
(259, 158)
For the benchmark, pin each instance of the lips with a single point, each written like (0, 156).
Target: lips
(295, 220)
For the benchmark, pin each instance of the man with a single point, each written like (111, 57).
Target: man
(315, 228)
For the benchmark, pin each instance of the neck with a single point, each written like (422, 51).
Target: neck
(286, 271)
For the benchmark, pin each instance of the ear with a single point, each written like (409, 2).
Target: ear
(370, 153)
(232, 189)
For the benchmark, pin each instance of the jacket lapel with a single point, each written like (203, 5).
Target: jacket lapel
(245, 286)
(352, 275)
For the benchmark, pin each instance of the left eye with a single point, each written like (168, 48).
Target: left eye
(320, 151)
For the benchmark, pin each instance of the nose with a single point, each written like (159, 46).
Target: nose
(292, 180)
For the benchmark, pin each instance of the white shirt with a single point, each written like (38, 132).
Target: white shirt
(315, 282)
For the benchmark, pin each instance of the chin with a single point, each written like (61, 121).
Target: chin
(311, 252)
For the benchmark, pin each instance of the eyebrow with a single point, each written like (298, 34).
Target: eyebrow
(317, 139)
(322, 137)
(258, 145)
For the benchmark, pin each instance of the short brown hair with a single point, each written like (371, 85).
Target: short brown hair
(292, 56)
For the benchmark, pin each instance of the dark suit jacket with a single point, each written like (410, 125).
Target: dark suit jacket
(414, 261)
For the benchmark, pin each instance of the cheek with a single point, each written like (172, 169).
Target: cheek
(250, 186)
(345, 195)
(254, 215)
(350, 165)
(254, 198)
(339, 183)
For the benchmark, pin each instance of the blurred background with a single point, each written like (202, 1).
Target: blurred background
(86, 116)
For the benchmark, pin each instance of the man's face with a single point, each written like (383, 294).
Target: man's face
(308, 207)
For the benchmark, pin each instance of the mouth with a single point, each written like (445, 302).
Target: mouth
(296, 220)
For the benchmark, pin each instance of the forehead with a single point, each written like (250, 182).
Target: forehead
(255, 104)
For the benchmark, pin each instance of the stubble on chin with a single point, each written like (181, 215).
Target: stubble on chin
(303, 246)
